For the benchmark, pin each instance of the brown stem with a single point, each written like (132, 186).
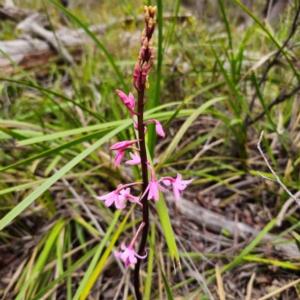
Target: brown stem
(143, 154)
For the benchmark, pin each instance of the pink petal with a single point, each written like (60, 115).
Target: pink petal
(123, 246)
(131, 101)
(176, 193)
(162, 188)
(127, 262)
(119, 204)
(153, 191)
(125, 191)
(186, 182)
(166, 182)
(119, 157)
(119, 146)
(159, 130)
(132, 258)
(141, 256)
(122, 145)
(127, 100)
(122, 95)
(179, 176)
(136, 160)
(109, 201)
(104, 197)
(134, 199)
(117, 254)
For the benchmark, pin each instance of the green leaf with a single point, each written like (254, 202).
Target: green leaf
(183, 130)
(47, 184)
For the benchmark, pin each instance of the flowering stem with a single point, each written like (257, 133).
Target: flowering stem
(144, 200)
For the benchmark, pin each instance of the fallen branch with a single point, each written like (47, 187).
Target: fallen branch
(216, 223)
(13, 13)
(31, 52)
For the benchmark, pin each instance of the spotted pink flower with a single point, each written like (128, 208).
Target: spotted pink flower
(177, 184)
(127, 100)
(129, 256)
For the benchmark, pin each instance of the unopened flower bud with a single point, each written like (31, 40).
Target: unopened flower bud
(147, 15)
(145, 43)
(150, 44)
(145, 71)
(147, 85)
(144, 35)
(150, 22)
(152, 10)
(154, 19)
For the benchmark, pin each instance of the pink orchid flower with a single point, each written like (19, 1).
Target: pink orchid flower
(153, 187)
(177, 184)
(121, 147)
(125, 195)
(136, 160)
(119, 196)
(127, 100)
(158, 127)
(112, 197)
(129, 256)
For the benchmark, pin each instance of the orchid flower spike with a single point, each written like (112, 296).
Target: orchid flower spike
(177, 184)
(127, 100)
(129, 256)
(153, 186)
(119, 196)
(158, 127)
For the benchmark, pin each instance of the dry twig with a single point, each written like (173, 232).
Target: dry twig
(270, 168)
(272, 63)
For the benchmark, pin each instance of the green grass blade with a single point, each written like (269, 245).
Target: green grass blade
(84, 283)
(148, 283)
(167, 228)
(183, 130)
(68, 272)
(264, 29)
(56, 150)
(167, 287)
(43, 257)
(53, 93)
(47, 184)
(97, 42)
(154, 102)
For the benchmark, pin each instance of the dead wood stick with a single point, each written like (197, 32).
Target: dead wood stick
(216, 222)
(31, 52)
(11, 12)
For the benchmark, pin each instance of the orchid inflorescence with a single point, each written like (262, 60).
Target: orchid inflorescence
(150, 188)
